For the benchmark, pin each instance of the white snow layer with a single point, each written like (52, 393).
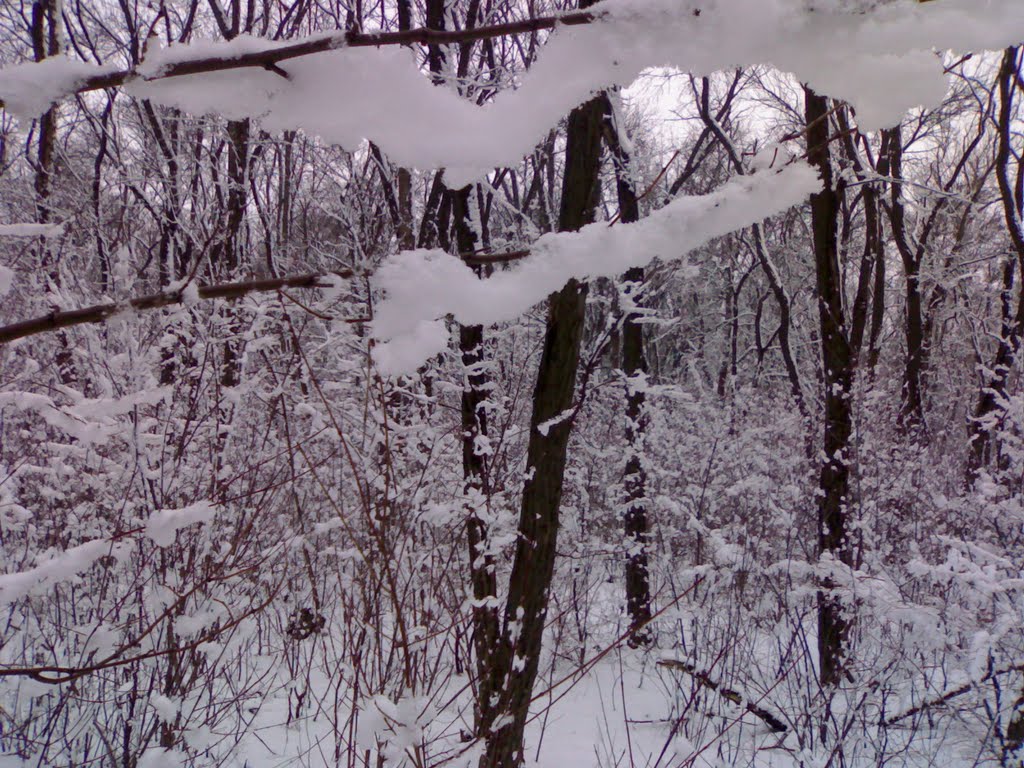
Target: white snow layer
(31, 89)
(60, 567)
(30, 229)
(423, 286)
(882, 62)
(164, 524)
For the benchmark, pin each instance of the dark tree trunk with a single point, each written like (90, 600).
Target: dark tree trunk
(230, 259)
(45, 32)
(912, 411)
(446, 205)
(869, 260)
(483, 577)
(877, 298)
(516, 659)
(634, 369)
(993, 394)
(837, 372)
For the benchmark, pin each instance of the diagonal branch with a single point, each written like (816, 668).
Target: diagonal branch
(949, 695)
(99, 313)
(770, 719)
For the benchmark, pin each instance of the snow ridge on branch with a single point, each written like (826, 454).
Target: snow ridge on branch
(881, 61)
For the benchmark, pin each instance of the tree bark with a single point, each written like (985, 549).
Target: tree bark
(993, 394)
(46, 42)
(517, 658)
(837, 372)
(636, 521)
(912, 411)
(231, 253)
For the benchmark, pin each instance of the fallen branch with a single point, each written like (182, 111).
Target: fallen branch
(271, 59)
(952, 694)
(771, 720)
(99, 313)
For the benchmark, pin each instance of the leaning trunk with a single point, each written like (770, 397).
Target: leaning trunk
(515, 661)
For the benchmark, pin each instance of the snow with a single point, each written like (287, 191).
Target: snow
(162, 758)
(76, 425)
(28, 229)
(30, 89)
(426, 285)
(61, 567)
(881, 62)
(157, 58)
(88, 420)
(165, 523)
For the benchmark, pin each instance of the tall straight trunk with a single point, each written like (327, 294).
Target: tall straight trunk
(228, 265)
(405, 233)
(482, 570)
(46, 42)
(993, 394)
(102, 254)
(226, 261)
(877, 297)
(912, 411)
(452, 206)
(837, 375)
(171, 260)
(516, 658)
(634, 368)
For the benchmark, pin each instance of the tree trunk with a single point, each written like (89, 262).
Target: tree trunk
(483, 577)
(46, 42)
(993, 394)
(634, 369)
(230, 261)
(837, 372)
(912, 411)
(516, 659)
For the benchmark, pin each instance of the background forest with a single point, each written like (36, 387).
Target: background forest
(756, 502)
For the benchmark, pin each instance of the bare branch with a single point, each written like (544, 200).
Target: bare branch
(99, 313)
(771, 720)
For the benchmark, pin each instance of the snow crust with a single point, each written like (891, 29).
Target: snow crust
(423, 286)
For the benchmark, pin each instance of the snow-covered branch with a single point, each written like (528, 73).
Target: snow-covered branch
(423, 286)
(267, 56)
(882, 62)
